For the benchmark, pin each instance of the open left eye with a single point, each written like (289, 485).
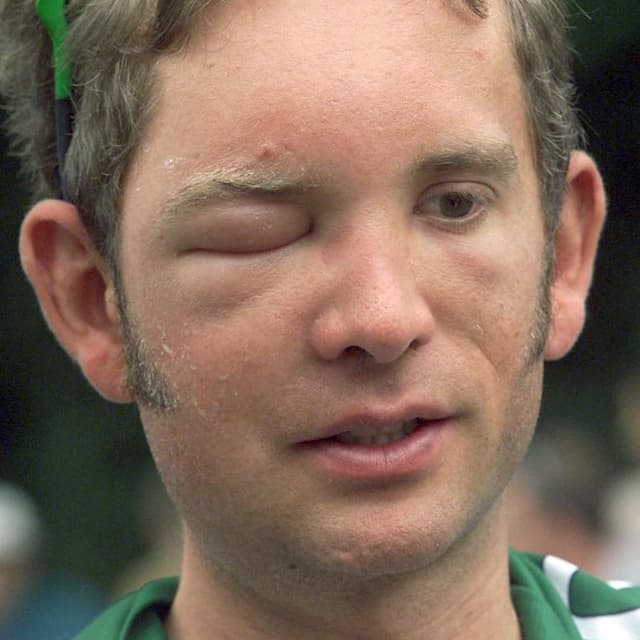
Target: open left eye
(456, 205)
(452, 205)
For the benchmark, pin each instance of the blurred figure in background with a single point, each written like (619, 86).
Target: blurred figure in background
(569, 500)
(622, 506)
(627, 400)
(622, 517)
(35, 604)
(554, 501)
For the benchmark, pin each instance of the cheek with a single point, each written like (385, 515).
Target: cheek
(492, 321)
(223, 348)
(488, 295)
(221, 425)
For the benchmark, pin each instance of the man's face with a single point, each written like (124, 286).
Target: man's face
(334, 225)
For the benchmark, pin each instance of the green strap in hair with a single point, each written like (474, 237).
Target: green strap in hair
(51, 13)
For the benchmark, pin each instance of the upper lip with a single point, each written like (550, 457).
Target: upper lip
(380, 418)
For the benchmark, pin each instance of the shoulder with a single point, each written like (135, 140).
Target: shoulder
(599, 610)
(138, 616)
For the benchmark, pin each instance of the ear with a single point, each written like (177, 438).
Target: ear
(575, 241)
(75, 293)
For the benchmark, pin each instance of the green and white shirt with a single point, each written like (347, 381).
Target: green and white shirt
(553, 598)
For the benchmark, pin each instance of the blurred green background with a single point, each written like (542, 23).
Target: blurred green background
(81, 457)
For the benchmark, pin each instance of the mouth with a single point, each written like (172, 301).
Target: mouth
(380, 435)
(378, 447)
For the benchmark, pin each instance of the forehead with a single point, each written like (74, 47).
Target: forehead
(319, 25)
(238, 34)
(273, 77)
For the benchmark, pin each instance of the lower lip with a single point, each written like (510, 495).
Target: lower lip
(414, 454)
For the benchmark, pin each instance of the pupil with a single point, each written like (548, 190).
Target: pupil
(456, 205)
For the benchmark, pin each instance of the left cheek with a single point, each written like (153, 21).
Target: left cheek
(494, 300)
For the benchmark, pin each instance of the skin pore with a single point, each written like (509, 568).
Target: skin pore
(334, 213)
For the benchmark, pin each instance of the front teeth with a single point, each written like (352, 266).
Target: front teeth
(378, 436)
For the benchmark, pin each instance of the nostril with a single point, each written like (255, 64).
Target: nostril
(349, 331)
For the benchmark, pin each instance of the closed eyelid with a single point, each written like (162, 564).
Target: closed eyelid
(237, 227)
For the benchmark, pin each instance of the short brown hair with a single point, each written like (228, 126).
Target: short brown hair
(113, 46)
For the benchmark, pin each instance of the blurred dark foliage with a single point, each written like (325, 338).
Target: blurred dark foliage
(81, 457)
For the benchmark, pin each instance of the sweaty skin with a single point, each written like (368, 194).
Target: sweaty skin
(334, 213)
(365, 299)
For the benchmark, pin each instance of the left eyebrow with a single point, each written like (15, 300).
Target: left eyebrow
(232, 182)
(497, 160)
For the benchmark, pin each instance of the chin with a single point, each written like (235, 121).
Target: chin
(383, 543)
(369, 554)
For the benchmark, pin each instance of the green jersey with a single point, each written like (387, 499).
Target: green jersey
(553, 599)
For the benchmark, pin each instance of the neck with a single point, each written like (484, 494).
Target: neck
(463, 595)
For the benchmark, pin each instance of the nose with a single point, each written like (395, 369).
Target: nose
(375, 306)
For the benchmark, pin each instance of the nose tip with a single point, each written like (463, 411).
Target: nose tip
(383, 332)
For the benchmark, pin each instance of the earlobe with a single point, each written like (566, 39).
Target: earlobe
(74, 292)
(575, 244)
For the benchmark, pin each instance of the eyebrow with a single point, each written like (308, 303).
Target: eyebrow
(229, 183)
(498, 160)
